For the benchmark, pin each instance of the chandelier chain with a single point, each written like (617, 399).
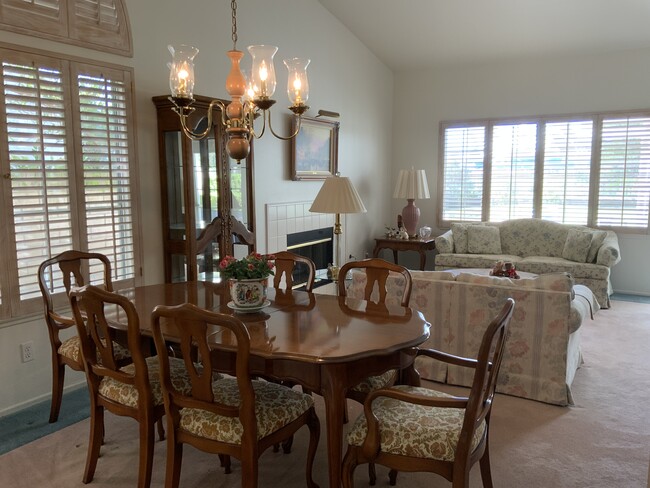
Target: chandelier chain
(233, 8)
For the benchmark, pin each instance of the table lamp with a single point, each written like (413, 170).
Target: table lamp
(337, 196)
(411, 184)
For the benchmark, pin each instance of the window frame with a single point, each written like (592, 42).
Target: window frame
(11, 307)
(488, 124)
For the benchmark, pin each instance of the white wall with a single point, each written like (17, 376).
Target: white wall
(610, 81)
(344, 77)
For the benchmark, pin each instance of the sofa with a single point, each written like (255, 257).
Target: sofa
(542, 353)
(535, 246)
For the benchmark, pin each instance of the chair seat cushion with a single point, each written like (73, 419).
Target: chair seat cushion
(71, 348)
(126, 394)
(415, 430)
(275, 407)
(372, 383)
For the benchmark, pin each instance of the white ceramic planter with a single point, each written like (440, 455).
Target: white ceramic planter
(248, 293)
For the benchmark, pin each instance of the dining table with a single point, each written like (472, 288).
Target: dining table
(325, 343)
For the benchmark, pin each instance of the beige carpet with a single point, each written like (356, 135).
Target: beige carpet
(601, 442)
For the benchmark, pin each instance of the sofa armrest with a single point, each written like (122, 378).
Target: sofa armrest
(609, 253)
(445, 243)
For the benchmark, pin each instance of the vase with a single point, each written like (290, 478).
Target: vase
(249, 293)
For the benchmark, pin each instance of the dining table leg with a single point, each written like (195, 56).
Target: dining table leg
(333, 392)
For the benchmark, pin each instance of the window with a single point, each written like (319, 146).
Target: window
(68, 176)
(96, 24)
(585, 170)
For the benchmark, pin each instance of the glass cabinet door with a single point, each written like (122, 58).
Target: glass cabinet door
(207, 202)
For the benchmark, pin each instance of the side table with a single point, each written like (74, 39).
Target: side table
(419, 245)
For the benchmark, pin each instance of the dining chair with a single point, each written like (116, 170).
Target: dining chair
(59, 274)
(409, 428)
(285, 264)
(377, 271)
(233, 416)
(133, 390)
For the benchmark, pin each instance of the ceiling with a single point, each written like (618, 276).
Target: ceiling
(410, 34)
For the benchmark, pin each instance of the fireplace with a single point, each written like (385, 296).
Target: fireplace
(317, 245)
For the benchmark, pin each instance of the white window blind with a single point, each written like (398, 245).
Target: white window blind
(106, 170)
(624, 190)
(98, 12)
(464, 156)
(589, 169)
(95, 24)
(69, 141)
(513, 171)
(39, 164)
(566, 177)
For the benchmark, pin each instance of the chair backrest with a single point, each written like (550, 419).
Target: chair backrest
(75, 268)
(488, 360)
(214, 230)
(192, 325)
(99, 314)
(285, 263)
(377, 271)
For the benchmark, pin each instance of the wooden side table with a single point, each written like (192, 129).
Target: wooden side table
(419, 245)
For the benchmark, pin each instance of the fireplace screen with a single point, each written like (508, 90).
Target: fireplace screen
(316, 245)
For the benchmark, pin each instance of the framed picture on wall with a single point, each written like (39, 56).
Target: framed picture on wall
(315, 150)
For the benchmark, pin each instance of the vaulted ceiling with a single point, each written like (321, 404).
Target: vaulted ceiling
(407, 34)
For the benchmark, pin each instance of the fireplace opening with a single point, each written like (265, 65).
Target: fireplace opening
(316, 245)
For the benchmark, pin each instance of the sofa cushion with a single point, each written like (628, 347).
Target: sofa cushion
(532, 237)
(459, 231)
(453, 260)
(596, 241)
(577, 244)
(544, 264)
(483, 239)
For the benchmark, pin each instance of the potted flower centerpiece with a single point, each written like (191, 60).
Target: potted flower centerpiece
(247, 278)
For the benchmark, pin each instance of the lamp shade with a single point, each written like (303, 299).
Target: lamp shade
(338, 196)
(412, 184)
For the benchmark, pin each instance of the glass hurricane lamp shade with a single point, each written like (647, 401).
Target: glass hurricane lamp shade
(411, 184)
(181, 71)
(263, 74)
(297, 83)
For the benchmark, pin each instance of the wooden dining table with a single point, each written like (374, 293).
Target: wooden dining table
(325, 343)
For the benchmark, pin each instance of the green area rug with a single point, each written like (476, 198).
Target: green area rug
(630, 298)
(31, 423)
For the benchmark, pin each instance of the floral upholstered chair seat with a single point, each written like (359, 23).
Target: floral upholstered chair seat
(275, 407)
(372, 383)
(414, 430)
(71, 348)
(126, 394)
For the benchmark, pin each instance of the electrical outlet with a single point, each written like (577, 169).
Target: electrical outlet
(27, 351)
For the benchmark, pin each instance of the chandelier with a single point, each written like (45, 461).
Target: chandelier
(248, 99)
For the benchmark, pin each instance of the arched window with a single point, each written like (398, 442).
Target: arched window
(102, 25)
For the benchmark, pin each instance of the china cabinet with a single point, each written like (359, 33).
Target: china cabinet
(207, 198)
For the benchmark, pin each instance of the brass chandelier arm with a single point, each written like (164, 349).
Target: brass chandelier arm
(285, 138)
(184, 112)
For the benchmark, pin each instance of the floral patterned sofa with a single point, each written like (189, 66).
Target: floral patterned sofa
(543, 349)
(536, 246)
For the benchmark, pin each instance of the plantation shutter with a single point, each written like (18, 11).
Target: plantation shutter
(464, 156)
(567, 167)
(513, 171)
(46, 16)
(624, 188)
(96, 24)
(101, 22)
(39, 164)
(103, 101)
